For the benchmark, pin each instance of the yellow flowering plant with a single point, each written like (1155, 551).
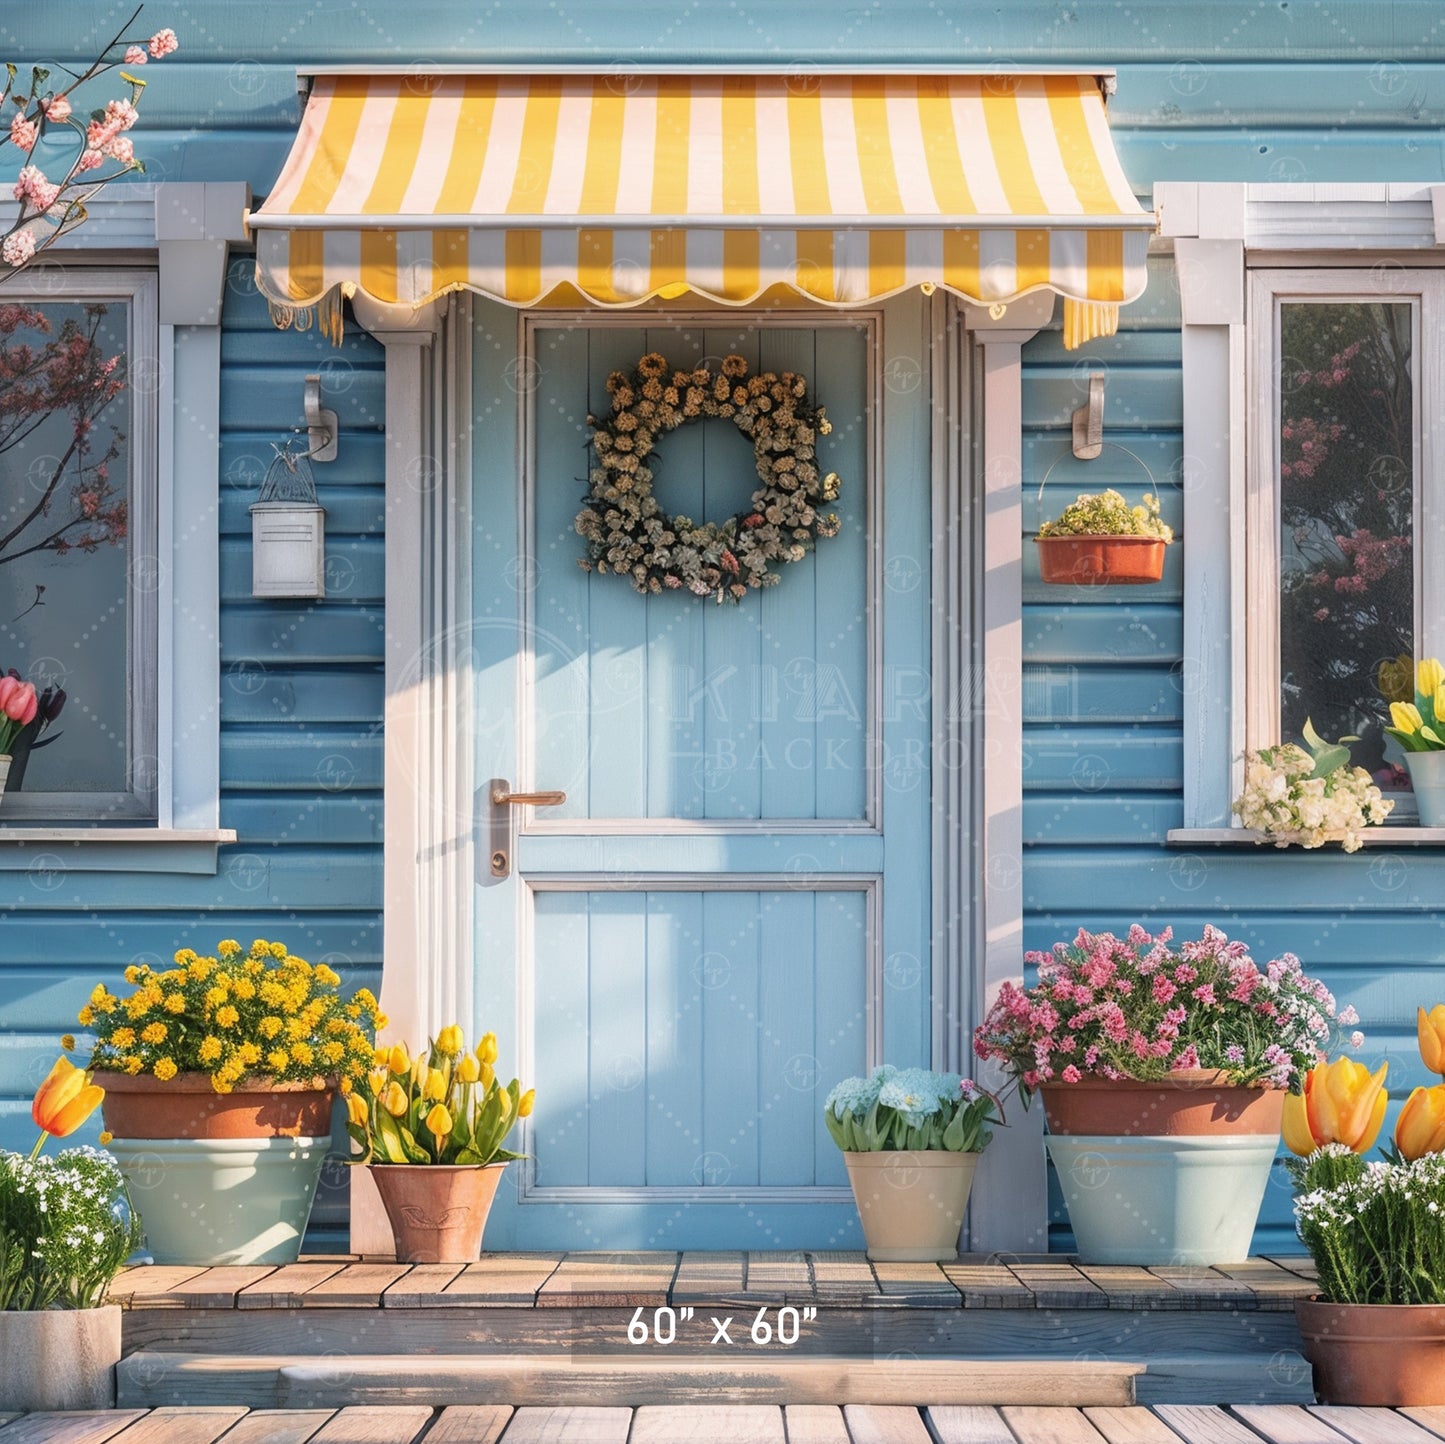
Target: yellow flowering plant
(262, 1013)
(445, 1105)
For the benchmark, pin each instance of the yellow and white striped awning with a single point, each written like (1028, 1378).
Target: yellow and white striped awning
(619, 188)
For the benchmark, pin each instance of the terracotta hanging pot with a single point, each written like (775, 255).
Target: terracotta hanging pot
(437, 1210)
(1171, 1172)
(1389, 1355)
(911, 1204)
(1190, 1102)
(1100, 561)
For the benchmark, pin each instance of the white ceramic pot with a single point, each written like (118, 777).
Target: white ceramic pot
(59, 1358)
(222, 1200)
(1163, 1200)
(4, 772)
(911, 1204)
(1427, 777)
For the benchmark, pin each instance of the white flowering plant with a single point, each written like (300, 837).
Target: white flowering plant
(1375, 1230)
(910, 1110)
(66, 1228)
(1106, 513)
(1309, 795)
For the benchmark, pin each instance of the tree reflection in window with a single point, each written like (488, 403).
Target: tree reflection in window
(1347, 509)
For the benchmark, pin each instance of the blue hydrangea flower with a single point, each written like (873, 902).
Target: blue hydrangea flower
(918, 1093)
(858, 1095)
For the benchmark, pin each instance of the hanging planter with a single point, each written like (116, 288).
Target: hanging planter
(1100, 561)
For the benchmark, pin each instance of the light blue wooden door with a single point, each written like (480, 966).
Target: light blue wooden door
(732, 909)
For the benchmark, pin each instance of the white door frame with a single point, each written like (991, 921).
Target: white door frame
(429, 855)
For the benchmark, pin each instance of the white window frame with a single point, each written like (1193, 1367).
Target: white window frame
(1237, 247)
(177, 236)
(137, 289)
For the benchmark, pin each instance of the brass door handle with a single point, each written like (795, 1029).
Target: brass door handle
(502, 797)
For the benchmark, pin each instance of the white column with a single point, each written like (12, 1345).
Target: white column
(1008, 1208)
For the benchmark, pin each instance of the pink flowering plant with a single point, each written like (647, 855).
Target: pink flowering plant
(71, 154)
(1138, 1008)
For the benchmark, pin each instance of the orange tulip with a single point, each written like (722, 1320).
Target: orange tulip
(1430, 1029)
(65, 1100)
(1420, 1128)
(1343, 1102)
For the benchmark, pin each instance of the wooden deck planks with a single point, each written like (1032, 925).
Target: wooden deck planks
(609, 1280)
(582, 1424)
(779, 1277)
(1431, 1418)
(1126, 1287)
(988, 1286)
(814, 1424)
(885, 1424)
(1130, 1426)
(419, 1285)
(213, 1288)
(147, 1282)
(1373, 1426)
(278, 1426)
(181, 1426)
(968, 1424)
(1042, 1424)
(470, 1424)
(1287, 1424)
(844, 1278)
(710, 1277)
(916, 1285)
(80, 1427)
(380, 1424)
(355, 1286)
(283, 1288)
(1060, 1286)
(1201, 1424)
(707, 1424)
(508, 1280)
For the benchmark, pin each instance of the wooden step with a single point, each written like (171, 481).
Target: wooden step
(149, 1379)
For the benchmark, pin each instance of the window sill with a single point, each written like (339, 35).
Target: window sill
(57, 850)
(1246, 837)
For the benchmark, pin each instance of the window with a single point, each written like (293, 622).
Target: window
(79, 569)
(1340, 587)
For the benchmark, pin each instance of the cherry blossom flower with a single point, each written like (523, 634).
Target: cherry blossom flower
(163, 43)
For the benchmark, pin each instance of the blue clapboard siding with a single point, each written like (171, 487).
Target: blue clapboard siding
(1331, 91)
(300, 710)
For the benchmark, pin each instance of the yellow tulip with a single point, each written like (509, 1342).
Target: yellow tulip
(398, 1060)
(1430, 1030)
(1429, 674)
(436, 1086)
(356, 1109)
(420, 1075)
(526, 1103)
(439, 1122)
(504, 1102)
(394, 1099)
(487, 1048)
(1437, 704)
(469, 1070)
(450, 1041)
(1406, 716)
(380, 1057)
(65, 1100)
(1420, 1129)
(377, 1081)
(1343, 1103)
(488, 1075)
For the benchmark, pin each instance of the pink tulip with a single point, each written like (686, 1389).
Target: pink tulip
(22, 703)
(9, 686)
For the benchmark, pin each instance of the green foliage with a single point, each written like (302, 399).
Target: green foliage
(1106, 513)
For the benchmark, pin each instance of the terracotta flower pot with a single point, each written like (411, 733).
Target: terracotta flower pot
(1391, 1355)
(1193, 1102)
(437, 1211)
(911, 1204)
(59, 1358)
(1100, 561)
(187, 1106)
(219, 1178)
(1165, 1172)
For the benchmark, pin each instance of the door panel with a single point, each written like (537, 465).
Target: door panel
(732, 911)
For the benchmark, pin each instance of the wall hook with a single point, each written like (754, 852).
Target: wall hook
(321, 424)
(1089, 421)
